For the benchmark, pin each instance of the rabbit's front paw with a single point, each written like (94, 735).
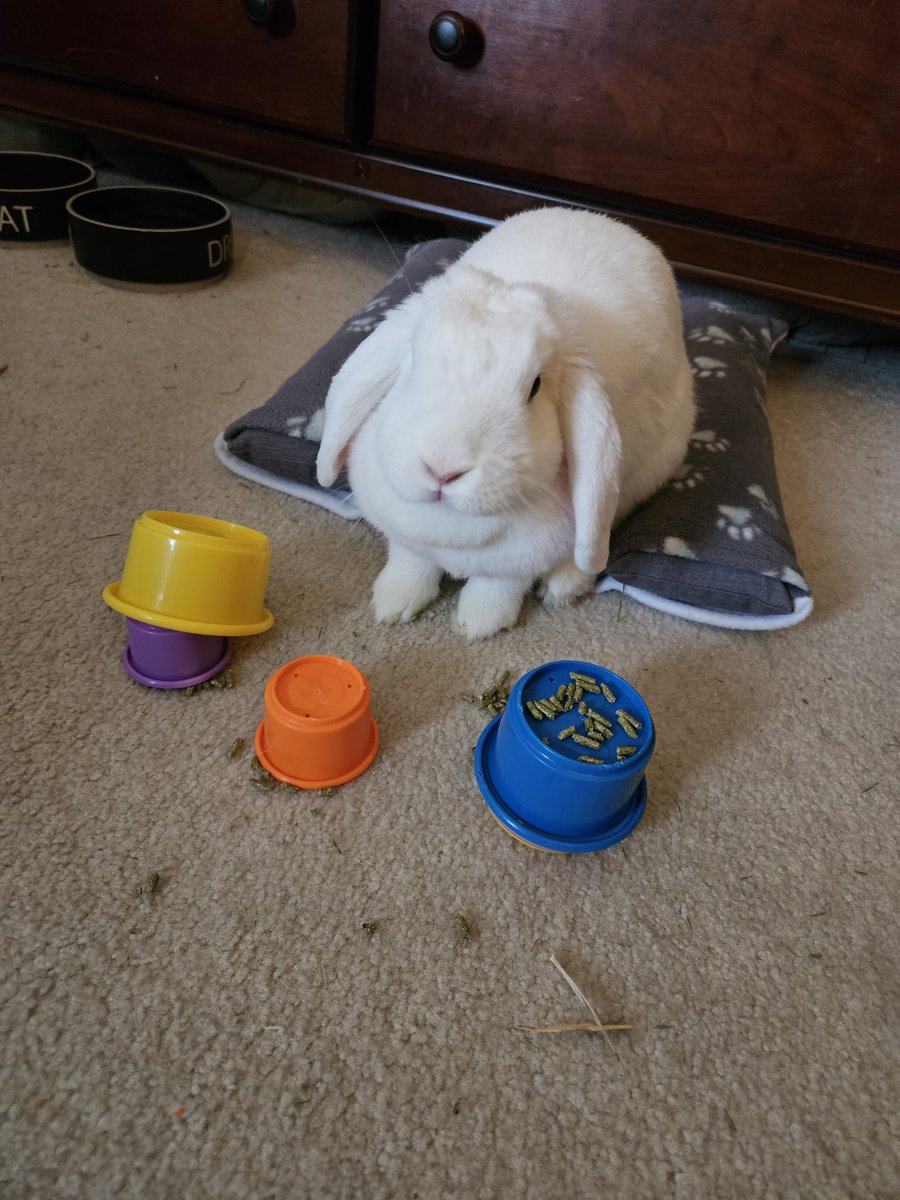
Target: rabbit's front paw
(488, 605)
(564, 584)
(405, 586)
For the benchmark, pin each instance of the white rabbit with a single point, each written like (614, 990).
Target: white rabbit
(498, 422)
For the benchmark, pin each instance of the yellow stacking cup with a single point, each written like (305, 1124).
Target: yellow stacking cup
(194, 574)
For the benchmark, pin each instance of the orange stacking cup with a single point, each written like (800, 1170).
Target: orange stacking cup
(318, 729)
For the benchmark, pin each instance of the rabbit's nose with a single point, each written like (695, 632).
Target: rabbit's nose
(442, 476)
(443, 480)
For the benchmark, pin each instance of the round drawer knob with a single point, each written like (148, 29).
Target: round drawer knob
(449, 36)
(276, 16)
(259, 11)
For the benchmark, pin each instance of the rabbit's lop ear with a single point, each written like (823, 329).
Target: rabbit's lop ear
(594, 451)
(361, 384)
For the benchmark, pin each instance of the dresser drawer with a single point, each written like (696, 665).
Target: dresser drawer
(772, 113)
(206, 53)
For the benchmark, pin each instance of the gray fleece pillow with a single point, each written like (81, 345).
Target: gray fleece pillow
(713, 541)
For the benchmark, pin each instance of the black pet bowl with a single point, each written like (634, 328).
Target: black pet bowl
(34, 190)
(150, 236)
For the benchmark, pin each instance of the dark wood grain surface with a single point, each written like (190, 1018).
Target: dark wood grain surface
(859, 285)
(203, 52)
(756, 142)
(782, 113)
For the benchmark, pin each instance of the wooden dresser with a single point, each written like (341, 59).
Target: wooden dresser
(756, 141)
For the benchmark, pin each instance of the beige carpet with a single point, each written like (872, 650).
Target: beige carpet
(239, 1033)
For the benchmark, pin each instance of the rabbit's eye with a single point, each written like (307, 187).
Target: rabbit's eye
(535, 388)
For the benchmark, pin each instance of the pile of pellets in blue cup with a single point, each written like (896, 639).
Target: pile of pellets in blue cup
(596, 731)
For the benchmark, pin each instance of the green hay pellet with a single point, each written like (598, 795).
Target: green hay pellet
(534, 710)
(620, 712)
(595, 716)
(498, 694)
(580, 677)
(259, 770)
(236, 747)
(264, 785)
(570, 697)
(546, 709)
(628, 727)
(593, 723)
(592, 743)
(494, 699)
(579, 693)
(598, 731)
(565, 733)
(607, 694)
(561, 693)
(587, 758)
(152, 882)
(463, 930)
(624, 752)
(370, 927)
(325, 793)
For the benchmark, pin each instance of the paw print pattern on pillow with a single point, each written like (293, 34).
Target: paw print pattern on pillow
(710, 333)
(367, 318)
(737, 523)
(678, 547)
(316, 425)
(294, 426)
(708, 439)
(763, 335)
(306, 427)
(708, 368)
(688, 476)
(758, 493)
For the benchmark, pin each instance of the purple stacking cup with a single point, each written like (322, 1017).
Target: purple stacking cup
(167, 658)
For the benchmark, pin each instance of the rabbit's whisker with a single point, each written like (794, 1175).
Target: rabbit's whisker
(389, 246)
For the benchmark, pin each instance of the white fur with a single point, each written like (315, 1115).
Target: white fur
(440, 388)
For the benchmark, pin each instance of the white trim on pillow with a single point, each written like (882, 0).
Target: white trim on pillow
(342, 504)
(803, 606)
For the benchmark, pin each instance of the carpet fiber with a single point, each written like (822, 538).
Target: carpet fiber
(291, 1012)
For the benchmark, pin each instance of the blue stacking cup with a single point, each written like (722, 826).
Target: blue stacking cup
(535, 785)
